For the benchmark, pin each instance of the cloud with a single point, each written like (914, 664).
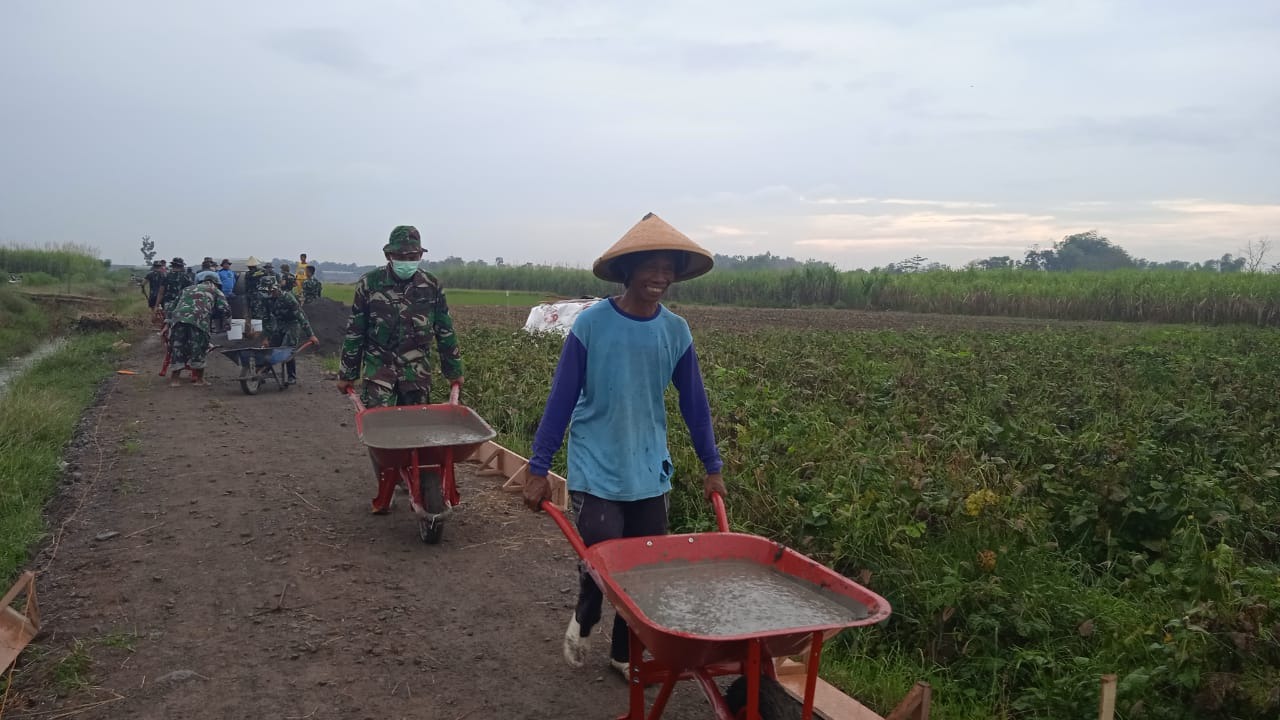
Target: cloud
(729, 231)
(328, 48)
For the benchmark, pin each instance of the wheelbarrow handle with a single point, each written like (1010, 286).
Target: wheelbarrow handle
(355, 399)
(566, 527)
(722, 517)
(454, 391)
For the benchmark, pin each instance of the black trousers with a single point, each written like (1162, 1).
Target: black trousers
(600, 520)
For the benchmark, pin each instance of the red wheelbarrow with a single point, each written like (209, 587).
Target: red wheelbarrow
(416, 446)
(690, 602)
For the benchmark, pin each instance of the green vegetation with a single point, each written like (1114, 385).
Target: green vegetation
(1130, 295)
(22, 324)
(1040, 508)
(79, 262)
(458, 297)
(38, 416)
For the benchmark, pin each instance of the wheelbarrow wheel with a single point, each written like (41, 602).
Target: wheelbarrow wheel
(775, 702)
(250, 386)
(431, 529)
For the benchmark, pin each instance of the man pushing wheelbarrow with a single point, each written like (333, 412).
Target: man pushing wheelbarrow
(397, 311)
(616, 364)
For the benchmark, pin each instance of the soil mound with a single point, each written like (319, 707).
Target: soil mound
(329, 322)
(93, 322)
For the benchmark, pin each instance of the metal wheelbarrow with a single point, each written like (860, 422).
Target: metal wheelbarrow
(695, 602)
(416, 446)
(257, 365)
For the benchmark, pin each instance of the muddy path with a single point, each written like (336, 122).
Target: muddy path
(245, 578)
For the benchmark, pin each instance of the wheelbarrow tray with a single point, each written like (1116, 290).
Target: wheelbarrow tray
(258, 357)
(392, 434)
(681, 651)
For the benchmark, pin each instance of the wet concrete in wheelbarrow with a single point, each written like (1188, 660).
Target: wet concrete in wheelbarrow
(247, 580)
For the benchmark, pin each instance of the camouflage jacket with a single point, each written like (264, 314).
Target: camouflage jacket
(151, 283)
(251, 281)
(284, 313)
(174, 283)
(388, 339)
(288, 281)
(311, 290)
(200, 303)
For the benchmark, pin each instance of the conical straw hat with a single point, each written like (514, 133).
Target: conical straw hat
(252, 261)
(653, 233)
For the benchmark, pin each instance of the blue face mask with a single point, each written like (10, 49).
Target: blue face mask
(404, 269)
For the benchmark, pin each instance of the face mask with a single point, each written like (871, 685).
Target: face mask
(404, 269)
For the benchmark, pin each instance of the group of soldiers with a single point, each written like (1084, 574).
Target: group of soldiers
(191, 306)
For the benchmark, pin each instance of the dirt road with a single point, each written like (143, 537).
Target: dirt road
(247, 580)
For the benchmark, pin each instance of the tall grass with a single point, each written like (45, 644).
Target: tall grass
(38, 416)
(1138, 295)
(22, 324)
(66, 261)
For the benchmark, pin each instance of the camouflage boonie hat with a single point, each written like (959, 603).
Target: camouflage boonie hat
(268, 284)
(404, 238)
(177, 262)
(157, 263)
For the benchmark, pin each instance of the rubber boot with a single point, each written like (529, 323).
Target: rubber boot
(197, 376)
(174, 380)
(381, 504)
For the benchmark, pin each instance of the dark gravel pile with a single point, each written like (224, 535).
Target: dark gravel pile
(329, 321)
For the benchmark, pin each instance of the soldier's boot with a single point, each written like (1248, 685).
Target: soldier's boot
(292, 368)
(197, 377)
(174, 380)
(387, 478)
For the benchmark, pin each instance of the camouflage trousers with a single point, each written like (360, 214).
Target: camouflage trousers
(287, 336)
(257, 310)
(374, 395)
(188, 345)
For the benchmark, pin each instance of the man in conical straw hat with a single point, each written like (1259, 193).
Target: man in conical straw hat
(615, 366)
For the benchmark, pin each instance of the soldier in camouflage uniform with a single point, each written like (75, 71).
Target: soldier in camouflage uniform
(175, 281)
(152, 282)
(193, 312)
(312, 289)
(288, 281)
(283, 322)
(253, 300)
(397, 310)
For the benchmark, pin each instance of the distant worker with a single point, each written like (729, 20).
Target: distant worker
(175, 282)
(152, 282)
(312, 290)
(608, 391)
(288, 281)
(193, 313)
(283, 321)
(302, 271)
(396, 311)
(252, 277)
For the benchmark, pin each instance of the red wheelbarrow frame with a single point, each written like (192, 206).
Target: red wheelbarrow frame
(676, 655)
(408, 463)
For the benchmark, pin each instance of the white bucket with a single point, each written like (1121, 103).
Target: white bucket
(257, 326)
(237, 330)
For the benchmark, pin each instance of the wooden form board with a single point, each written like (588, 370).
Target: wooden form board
(18, 628)
(831, 704)
(497, 460)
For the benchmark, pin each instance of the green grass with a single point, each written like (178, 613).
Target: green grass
(456, 297)
(38, 416)
(22, 324)
(72, 671)
(1122, 480)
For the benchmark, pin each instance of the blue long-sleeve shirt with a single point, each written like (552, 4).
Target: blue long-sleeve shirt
(228, 280)
(608, 390)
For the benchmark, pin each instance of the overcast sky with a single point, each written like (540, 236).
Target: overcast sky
(854, 132)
